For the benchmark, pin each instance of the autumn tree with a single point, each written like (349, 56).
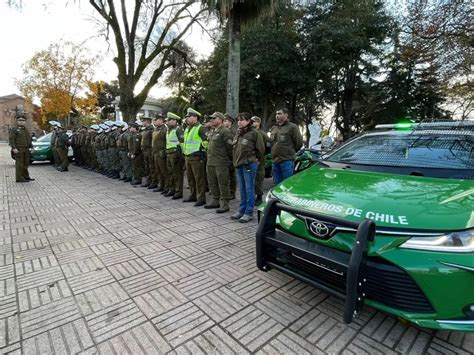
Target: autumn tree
(146, 38)
(57, 76)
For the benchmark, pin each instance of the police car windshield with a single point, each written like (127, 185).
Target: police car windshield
(45, 138)
(409, 150)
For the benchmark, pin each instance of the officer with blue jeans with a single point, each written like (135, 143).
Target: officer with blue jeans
(286, 140)
(248, 149)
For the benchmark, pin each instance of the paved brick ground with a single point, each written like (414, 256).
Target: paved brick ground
(93, 265)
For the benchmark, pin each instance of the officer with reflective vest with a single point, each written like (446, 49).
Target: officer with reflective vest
(174, 156)
(194, 150)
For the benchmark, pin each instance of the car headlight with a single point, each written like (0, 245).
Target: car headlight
(457, 242)
(269, 196)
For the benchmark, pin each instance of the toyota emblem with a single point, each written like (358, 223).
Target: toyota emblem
(319, 229)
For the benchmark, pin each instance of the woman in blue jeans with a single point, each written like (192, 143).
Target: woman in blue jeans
(248, 148)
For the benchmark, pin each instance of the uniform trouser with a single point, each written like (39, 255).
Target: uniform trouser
(100, 162)
(56, 157)
(126, 164)
(195, 171)
(22, 160)
(218, 180)
(114, 159)
(75, 153)
(232, 180)
(259, 179)
(64, 161)
(148, 164)
(175, 162)
(90, 157)
(137, 167)
(161, 169)
(80, 154)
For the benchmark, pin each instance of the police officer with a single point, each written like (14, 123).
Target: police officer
(257, 123)
(54, 150)
(174, 155)
(286, 140)
(194, 147)
(219, 158)
(159, 155)
(148, 165)
(62, 146)
(229, 123)
(20, 143)
(126, 164)
(135, 153)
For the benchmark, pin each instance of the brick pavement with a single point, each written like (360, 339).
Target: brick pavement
(93, 265)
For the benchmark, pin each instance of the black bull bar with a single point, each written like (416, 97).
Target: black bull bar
(353, 266)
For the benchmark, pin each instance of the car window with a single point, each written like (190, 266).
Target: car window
(417, 150)
(45, 138)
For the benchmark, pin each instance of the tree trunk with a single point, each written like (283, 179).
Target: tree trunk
(233, 71)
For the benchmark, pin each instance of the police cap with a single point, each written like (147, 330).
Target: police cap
(192, 112)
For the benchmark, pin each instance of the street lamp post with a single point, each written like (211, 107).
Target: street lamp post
(18, 110)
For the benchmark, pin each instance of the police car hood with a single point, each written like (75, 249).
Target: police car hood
(392, 200)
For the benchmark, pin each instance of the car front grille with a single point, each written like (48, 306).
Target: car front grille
(386, 283)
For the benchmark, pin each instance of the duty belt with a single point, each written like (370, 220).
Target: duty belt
(172, 150)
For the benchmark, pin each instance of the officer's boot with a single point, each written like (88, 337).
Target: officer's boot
(224, 206)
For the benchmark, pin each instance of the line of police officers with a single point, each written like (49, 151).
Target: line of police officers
(156, 155)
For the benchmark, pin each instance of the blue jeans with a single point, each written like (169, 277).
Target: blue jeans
(246, 180)
(282, 170)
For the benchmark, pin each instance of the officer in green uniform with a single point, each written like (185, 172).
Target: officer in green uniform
(113, 151)
(88, 148)
(219, 158)
(99, 148)
(194, 147)
(135, 153)
(148, 165)
(74, 145)
(174, 156)
(62, 146)
(20, 143)
(126, 164)
(257, 124)
(159, 155)
(229, 123)
(54, 149)
(286, 141)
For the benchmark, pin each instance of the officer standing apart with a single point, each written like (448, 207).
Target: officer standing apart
(194, 147)
(286, 140)
(20, 142)
(159, 156)
(62, 146)
(174, 156)
(219, 158)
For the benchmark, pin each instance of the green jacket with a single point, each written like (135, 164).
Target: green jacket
(62, 140)
(219, 151)
(19, 138)
(147, 137)
(134, 143)
(286, 141)
(158, 139)
(248, 147)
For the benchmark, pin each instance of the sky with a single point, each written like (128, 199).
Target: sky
(42, 22)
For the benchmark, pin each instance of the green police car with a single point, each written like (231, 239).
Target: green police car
(42, 149)
(385, 220)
